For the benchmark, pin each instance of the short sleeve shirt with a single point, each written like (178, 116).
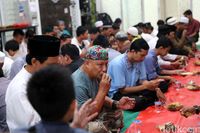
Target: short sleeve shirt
(124, 74)
(193, 26)
(151, 63)
(85, 88)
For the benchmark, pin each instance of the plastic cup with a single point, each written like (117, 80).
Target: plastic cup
(178, 85)
(158, 106)
(137, 126)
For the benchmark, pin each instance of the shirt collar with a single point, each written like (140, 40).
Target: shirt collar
(129, 65)
(152, 52)
(26, 73)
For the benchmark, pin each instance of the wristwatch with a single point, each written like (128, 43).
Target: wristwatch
(114, 105)
(197, 109)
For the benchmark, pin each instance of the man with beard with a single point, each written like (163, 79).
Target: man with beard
(91, 81)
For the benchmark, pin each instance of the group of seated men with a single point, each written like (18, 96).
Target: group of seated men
(97, 77)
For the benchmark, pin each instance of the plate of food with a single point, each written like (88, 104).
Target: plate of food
(183, 61)
(197, 63)
(192, 86)
(175, 106)
(168, 127)
(186, 114)
(186, 73)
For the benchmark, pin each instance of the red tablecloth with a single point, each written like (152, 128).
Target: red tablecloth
(151, 119)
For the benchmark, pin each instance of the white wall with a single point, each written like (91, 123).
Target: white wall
(183, 5)
(131, 16)
(128, 10)
(112, 7)
(151, 12)
(195, 9)
(176, 7)
(161, 9)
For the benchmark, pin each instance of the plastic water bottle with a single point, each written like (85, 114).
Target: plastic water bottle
(137, 126)
(23, 12)
(178, 85)
(158, 105)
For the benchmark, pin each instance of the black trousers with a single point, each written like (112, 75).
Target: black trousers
(143, 98)
(195, 38)
(178, 51)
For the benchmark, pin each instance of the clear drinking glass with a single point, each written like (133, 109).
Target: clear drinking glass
(158, 106)
(178, 85)
(137, 126)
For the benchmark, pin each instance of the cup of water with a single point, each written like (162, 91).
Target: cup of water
(137, 126)
(178, 85)
(158, 106)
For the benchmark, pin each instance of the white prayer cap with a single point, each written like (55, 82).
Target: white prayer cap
(2, 56)
(172, 21)
(133, 31)
(184, 20)
(98, 24)
(146, 37)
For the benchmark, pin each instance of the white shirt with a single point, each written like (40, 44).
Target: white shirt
(162, 62)
(166, 60)
(154, 33)
(20, 53)
(19, 111)
(152, 43)
(170, 57)
(22, 49)
(75, 42)
(146, 37)
(7, 66)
